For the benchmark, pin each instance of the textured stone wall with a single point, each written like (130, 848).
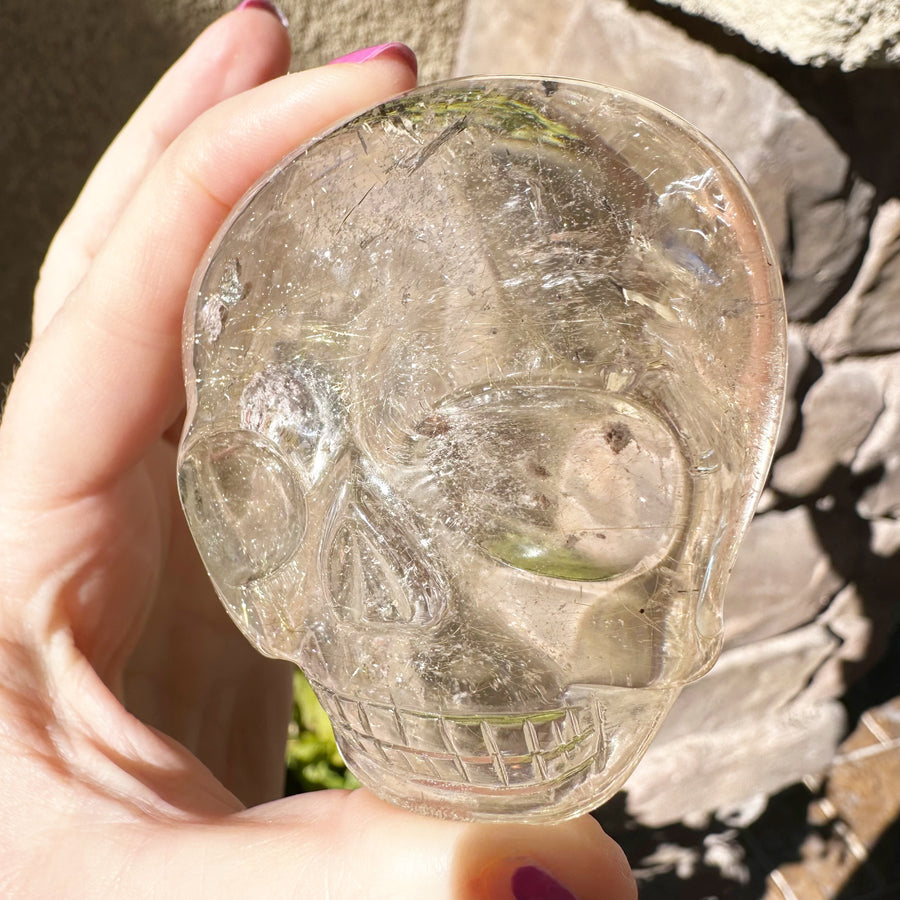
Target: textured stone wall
(852, 33)
(74, 70)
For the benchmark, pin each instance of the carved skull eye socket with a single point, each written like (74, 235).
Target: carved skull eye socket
(560, 481)
(298, 408)
(242, 503)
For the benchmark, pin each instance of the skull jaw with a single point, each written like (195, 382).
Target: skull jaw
(540, 767)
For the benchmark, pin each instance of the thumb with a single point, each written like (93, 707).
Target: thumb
(352, 846)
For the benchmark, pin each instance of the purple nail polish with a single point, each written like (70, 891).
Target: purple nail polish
(267, 6)
(532, 883)
(367, 53)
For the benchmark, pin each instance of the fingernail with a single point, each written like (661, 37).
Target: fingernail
(395, 48)
(268, 7)
(532, 883)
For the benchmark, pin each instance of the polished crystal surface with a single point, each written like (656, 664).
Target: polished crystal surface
(482, 389)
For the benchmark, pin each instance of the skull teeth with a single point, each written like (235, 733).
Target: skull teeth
(502, 751)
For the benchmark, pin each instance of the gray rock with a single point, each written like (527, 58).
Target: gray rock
(875, 327)
(883, 499)
(886, 540)
(710, 770)
(733, 692)
(782, 579)
(853, 33)
(867, 319)
(797, 361)
(511, 37)
(765, 716)
(838, 414)
(827, 209)
(881, 448)
(768, 500)
(816, 209)
(850, 624)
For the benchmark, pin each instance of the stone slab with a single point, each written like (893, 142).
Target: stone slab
(867, 318)
(783, 577)
(710, 771)
(749, 683)
(853, 33)
(797, 361)
(838, 413)
(883, 499)
(882, 445)
(849, 620)
(886, 539)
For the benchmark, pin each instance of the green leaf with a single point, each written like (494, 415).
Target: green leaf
(311, 755)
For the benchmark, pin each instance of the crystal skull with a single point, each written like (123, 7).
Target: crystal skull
(483, 386)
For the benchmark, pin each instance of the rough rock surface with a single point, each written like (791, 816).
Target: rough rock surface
(814, 205)
(798, 737)
(797, 363)
(74, 70)
(789, 662)
(867, 318)
(838, 413)
(783, 577)
(835, 836)
(853, 33)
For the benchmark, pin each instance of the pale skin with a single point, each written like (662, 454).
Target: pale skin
(141, 737)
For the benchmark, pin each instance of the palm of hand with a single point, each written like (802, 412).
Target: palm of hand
(123, 599)
(174, 659)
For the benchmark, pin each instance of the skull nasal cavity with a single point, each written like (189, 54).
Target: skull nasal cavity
(375, 568)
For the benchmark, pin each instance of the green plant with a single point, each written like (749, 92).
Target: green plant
(312, 757)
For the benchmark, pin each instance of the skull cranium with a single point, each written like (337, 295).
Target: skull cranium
(483, 386)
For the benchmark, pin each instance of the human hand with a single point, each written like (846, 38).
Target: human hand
(138, 729)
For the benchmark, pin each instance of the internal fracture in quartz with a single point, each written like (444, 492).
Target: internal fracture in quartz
(483, 386)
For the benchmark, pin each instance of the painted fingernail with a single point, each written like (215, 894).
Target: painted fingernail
(268, 7)
(395, 48)
(532, 883)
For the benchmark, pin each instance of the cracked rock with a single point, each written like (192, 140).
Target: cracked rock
(783, 578)
(789, 661)
(797, 360)
(838, 414)
(867, 318)
(712, 769)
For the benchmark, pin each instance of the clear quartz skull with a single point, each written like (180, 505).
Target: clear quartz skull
(482, 389)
